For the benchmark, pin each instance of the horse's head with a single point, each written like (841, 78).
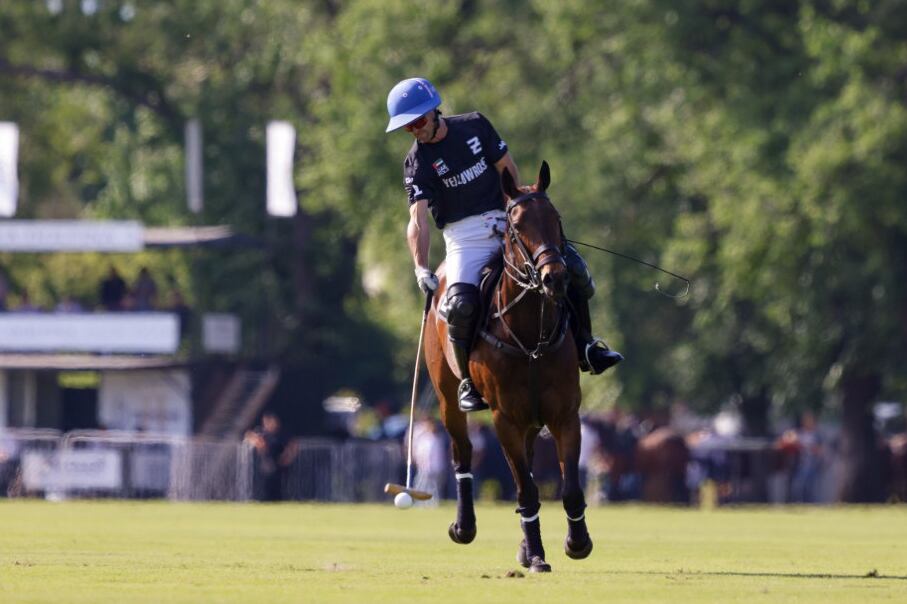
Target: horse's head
(535, 242)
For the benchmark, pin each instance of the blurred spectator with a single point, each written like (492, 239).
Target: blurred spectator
(112, 291)
(25, 303)
(479, 448)
(784, 453)
(709, 469)
(493, 473)
(430, 458)
(618, 434)
(10, 471)
(808, 469)
(274, 454)
(4, 290)
(178, 306)
(68, 304)
(589, 453)
(144, 291)
(388, 424)
(128, 303)
(897, 446)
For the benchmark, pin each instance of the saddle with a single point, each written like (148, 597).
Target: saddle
(490, 276)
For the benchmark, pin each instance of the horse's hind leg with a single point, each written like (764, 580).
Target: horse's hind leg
(578, 544)
(463, 529)
(516, 443)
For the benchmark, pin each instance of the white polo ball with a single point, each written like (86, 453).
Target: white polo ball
(403, 501)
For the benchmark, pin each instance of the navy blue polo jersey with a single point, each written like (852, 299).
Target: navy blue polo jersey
(457, 175)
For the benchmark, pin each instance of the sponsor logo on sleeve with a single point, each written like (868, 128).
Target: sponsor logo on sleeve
(502, 145)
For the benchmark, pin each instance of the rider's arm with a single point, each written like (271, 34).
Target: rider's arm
(418, 234)
(507, 162)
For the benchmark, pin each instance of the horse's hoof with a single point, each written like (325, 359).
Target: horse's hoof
(461, 535)
(537, 565)
(522, 555)
(578, 553)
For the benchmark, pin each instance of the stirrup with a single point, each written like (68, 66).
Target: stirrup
(611, 359)
(469, 398)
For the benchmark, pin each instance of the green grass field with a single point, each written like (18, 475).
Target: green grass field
(168, 552)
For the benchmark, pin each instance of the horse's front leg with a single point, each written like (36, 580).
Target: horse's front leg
(463, 529)
(578, 544)
(515, 442)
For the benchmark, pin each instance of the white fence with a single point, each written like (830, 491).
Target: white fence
(327, 470)
(46, 463)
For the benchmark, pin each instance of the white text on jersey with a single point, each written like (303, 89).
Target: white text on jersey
(467, 175)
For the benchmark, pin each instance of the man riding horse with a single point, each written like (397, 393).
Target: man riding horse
(448, 172)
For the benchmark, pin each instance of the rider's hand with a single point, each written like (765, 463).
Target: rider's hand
(427, 280)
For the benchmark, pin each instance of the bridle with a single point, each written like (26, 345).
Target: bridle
(526, 272)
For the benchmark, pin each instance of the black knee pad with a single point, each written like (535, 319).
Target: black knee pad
(462, 310)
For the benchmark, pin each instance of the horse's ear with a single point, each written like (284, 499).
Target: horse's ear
(544, 177)
(508, 185)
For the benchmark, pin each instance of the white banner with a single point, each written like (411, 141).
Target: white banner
(9, 180)
(71, 236)
(132, 332)
(281, 145)
(220, 332)
(72, 470)
(149, 401)
(194, 189)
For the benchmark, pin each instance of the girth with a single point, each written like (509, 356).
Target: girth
(490, 287)
(512, 350)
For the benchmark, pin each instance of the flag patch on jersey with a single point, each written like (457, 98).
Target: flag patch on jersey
(440, 167)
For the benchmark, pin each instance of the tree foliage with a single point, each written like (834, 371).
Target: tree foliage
(758, 147)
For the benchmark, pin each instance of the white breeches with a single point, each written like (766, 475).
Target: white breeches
(471, 243)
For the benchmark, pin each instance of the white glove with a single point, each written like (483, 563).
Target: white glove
(427, 280)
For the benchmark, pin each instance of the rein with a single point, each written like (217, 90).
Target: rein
(525, 272)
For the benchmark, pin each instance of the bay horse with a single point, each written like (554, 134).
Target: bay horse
(659, 458)
(525, 364)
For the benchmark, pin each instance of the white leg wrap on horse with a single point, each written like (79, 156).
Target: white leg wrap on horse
(530, 519)
(464, 476)
(581, 517)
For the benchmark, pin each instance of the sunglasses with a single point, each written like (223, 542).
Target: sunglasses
(416, 124)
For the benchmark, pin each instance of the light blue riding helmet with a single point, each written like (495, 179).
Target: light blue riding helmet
(409, 100)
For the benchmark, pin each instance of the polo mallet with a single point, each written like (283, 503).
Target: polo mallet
(391, 488)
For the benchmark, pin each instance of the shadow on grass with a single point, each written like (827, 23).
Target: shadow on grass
(873, 574)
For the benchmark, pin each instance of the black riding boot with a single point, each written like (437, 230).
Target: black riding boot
(467, 395)
(594, 354)
(461, 309)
